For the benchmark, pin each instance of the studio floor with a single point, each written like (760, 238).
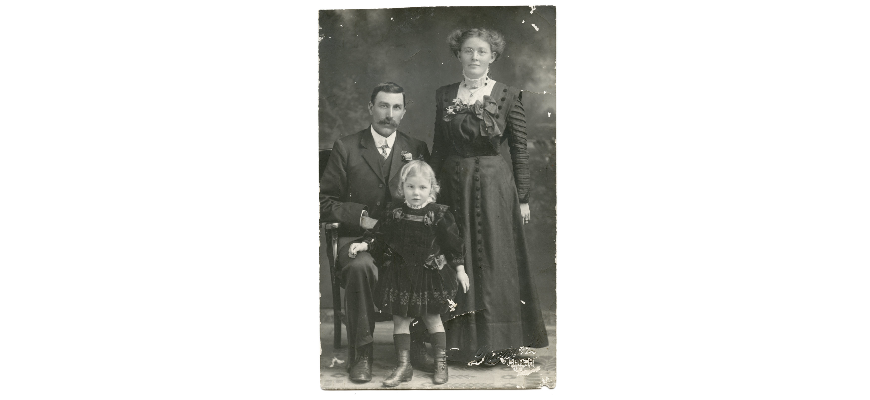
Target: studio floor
(333, 366)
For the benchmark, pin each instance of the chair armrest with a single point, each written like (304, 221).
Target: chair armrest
(331, 225)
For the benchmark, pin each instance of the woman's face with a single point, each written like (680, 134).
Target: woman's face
(475, 56)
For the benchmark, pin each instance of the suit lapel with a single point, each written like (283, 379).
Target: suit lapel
(370, 154)
(398, 147)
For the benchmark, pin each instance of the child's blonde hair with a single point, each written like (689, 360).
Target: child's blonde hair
(418, 168)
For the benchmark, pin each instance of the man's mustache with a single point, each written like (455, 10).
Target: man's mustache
(389, 121)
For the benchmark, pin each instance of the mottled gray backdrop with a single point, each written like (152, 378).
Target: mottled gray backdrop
(361, 48)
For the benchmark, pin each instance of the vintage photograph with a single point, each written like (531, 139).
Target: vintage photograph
(437, 133)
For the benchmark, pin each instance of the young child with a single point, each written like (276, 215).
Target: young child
(411, 246)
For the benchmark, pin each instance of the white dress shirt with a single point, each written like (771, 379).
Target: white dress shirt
(380, 140)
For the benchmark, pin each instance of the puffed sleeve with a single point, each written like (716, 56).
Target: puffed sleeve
(440, 141)
(450, 241)
(516, 134)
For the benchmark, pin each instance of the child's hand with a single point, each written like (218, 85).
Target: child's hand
(463, 278)
(356, 248)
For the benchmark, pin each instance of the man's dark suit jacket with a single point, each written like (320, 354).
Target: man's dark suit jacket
(353, 181)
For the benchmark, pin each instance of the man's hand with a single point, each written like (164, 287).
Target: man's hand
(356, 248)
(463, 278)
(367, 223)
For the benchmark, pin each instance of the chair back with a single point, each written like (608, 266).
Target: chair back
(324, 159)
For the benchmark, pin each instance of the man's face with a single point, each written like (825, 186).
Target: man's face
(387, 112)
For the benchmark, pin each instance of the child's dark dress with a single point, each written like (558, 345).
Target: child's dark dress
(417, 252)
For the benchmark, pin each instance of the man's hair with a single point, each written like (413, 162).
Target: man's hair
(389, 87)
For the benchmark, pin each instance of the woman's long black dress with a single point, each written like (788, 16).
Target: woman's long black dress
(501, 309)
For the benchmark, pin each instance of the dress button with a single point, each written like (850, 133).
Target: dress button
(477, 178)
(499, 107)
(476, 169)
(477, 188)
(505, 90)
(502, 99)
(478, 213)
(479, 241)
(496, 116)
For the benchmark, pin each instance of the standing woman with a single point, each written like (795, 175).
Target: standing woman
(500, 312)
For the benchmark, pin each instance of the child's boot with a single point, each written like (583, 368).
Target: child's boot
(440, 376)
(403, 372)
(439, 343)
(420, 358)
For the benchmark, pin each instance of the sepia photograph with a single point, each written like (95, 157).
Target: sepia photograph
(437, 134)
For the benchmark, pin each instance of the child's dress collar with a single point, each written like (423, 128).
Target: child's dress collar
(417, 207)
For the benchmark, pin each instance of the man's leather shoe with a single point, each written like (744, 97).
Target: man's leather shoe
(351, 356)
(361, 370)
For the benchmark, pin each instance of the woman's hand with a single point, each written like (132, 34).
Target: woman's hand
(526, 213)
(463, 278)
(356, 248)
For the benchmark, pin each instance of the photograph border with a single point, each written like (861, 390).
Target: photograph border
(314, 277)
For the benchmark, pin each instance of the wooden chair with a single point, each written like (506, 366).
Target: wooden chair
(331, 233)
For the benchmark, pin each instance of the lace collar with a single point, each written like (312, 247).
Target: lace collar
(417, 207)
(471, 83)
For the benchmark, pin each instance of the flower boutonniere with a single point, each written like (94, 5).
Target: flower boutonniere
(407, 156)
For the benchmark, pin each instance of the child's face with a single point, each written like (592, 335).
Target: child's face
(416, 189)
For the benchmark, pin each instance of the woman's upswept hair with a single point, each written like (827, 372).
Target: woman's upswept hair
(418, 168)
(459, 36)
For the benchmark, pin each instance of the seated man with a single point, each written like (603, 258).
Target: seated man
(354, 191)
